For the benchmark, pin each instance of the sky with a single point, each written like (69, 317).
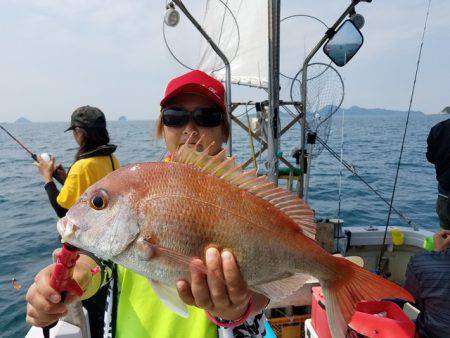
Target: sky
(57, 55)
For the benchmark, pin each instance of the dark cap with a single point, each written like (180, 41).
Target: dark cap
(87, 117)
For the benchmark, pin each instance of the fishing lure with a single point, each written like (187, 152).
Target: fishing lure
(15, 284)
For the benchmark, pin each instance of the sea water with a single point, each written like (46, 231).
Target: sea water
(371, 143)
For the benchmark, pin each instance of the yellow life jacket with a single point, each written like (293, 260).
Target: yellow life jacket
(140, 313)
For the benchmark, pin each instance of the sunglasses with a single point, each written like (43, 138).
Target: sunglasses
(203, 117)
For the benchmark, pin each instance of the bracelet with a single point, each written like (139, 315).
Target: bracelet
(231, 323)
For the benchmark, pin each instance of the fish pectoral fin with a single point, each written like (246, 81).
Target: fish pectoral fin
(169, 297)
(144, 249)
(282, 288)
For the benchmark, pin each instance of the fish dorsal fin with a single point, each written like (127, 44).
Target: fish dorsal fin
(226, 168)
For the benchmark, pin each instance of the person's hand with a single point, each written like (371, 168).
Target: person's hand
(43, 302)
(46, 168)
(222, 291)
(441, 240)
(60, 174)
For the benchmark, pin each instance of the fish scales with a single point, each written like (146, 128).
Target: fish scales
(202, 211)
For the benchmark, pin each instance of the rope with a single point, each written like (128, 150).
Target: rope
(404, 136)
(252, 147)
(340, 169)
(190, 68)
(350, 167)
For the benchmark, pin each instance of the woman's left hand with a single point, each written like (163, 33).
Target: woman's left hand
(222, 291)
(46, 168)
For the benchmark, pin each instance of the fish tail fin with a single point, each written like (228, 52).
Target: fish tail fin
(355, 285)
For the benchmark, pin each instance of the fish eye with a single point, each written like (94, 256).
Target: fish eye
(99, 200)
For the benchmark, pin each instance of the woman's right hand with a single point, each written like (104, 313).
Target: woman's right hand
(44, 305)
(46, 168)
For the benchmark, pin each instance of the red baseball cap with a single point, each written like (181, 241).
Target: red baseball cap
(197, 82)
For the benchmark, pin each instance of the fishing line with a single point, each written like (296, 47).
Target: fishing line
(350, 167)
(404, 137)
(250, 134)
(33, 156)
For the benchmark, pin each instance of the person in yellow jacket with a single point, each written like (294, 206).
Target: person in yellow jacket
(193, 104)
(94, 159)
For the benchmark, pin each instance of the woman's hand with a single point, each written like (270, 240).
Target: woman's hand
(46, 168)
(222, 291)
(44, 305)
(60, 174)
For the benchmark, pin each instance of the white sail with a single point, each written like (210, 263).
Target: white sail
(246, 48)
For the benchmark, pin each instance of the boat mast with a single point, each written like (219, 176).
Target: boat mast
(273, 124)
(329, 34)
(224, 59)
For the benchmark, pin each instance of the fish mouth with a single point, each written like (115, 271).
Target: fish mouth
(67, 229)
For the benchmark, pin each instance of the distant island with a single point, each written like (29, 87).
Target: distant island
(22, 120)
(356, 110)
(122, 118)
(446, 110)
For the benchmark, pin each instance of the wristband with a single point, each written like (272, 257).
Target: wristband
(231, 323)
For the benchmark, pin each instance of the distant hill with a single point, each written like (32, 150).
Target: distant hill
(446, 110)
(22, 120)
(122, 118)
(356, 110)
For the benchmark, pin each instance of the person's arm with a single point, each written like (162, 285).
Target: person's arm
(52, 193)
(44, 305)
(430, 147)
(253, 327)
(47, 170)
(412, 284)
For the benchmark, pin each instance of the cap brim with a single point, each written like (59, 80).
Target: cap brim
(196, 89)
(70, 128)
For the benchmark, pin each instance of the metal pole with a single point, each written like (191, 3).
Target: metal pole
(304, 70)
(180, 5)
(273, 142)
(308, 173)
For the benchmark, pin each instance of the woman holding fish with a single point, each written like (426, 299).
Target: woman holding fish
(155, 220)
(193, 107)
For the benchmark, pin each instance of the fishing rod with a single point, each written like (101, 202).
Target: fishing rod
(33, 155)
(44, 156)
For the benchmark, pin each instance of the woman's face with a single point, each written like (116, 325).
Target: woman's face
(77, 135)
(177, 136)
